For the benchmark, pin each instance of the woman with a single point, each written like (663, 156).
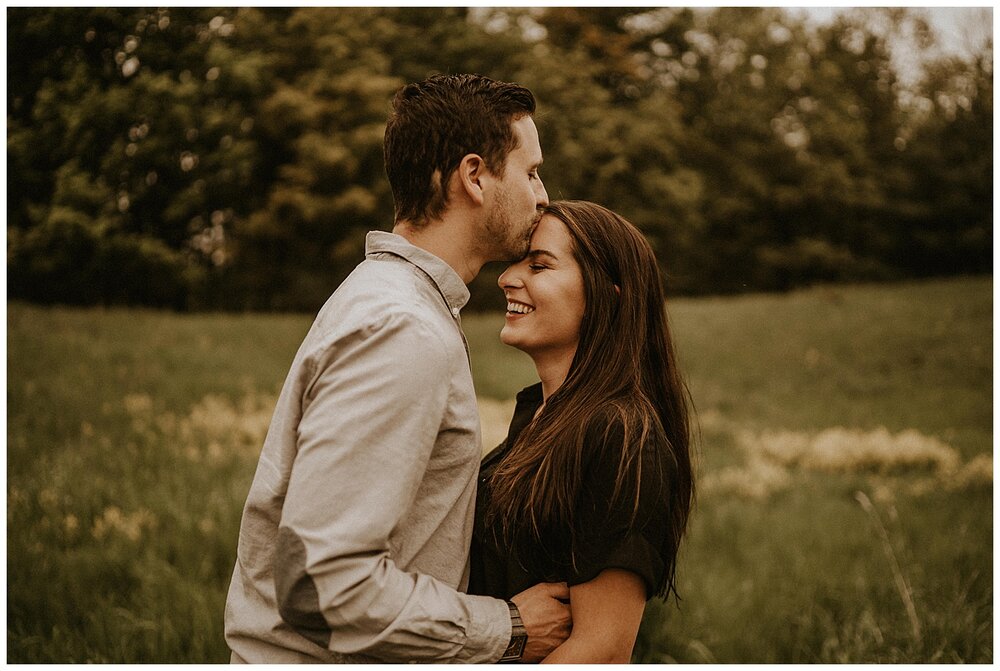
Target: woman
(594, 482)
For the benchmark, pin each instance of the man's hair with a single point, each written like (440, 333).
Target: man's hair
(433, 124)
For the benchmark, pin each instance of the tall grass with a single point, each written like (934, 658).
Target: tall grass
(133, 436)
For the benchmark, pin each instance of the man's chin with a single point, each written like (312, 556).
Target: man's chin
(524, 243)
(516, 250)
(522, 250)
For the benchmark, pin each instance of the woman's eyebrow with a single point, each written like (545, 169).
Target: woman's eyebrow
(535, 253)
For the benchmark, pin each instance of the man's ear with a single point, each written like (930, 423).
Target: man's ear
(469, 177)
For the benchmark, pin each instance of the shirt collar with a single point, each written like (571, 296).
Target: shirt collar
(531, 395)
(528, 400)
(444, 277)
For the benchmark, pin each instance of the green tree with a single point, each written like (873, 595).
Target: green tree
(950, 159)
(232, 158)
(144, 119)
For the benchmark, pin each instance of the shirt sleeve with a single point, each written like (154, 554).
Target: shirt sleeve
(370, 418)
(612, 530)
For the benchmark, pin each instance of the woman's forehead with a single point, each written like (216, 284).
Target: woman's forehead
(551, 235)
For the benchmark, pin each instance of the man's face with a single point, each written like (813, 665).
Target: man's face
(513, 210)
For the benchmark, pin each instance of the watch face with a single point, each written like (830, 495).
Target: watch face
(515, 649)
(518, 636)
(519, 643)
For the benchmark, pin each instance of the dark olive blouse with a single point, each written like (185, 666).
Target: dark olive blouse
(608, 536)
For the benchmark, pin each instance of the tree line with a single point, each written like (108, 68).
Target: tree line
(198, 158)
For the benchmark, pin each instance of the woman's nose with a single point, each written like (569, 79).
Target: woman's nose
(509, 278)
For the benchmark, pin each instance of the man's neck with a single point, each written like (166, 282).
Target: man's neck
(449, 242)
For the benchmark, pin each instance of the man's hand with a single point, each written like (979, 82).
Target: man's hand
(546, 615)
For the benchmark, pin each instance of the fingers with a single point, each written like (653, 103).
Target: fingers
(555, 590)
(558, 590)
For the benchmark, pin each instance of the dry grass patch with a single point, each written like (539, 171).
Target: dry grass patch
(215, 428)
(773, 457)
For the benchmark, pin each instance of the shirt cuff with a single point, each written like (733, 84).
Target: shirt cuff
(489, 631)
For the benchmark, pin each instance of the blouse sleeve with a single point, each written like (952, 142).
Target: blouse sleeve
(613, 530)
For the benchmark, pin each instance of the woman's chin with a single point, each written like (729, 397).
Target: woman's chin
(509, 339)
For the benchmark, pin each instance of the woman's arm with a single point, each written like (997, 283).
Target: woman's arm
(606, 615)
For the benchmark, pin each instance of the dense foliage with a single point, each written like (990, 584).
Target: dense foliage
(231, 158)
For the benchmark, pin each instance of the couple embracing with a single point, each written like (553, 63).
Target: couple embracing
(373, 531)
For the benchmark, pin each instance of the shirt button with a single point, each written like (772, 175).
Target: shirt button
(455, 311)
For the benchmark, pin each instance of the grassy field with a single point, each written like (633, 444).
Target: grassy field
(845, 475)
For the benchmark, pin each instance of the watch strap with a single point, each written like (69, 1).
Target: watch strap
(518, 636)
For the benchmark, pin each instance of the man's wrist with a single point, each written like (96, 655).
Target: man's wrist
(518, 636)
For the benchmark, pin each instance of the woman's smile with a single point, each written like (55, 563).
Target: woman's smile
(516, 309)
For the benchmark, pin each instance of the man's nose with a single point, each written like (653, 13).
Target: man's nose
(541, 194)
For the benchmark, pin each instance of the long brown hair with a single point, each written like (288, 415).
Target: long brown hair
(624, 380)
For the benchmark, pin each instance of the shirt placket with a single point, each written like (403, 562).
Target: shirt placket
(457, 315)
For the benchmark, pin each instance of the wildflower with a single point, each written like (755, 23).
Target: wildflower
(131, 526)
(138, 404)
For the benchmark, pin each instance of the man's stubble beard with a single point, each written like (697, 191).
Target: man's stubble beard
(507, 240)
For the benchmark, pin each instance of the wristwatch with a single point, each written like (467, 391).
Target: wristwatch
(518, 636)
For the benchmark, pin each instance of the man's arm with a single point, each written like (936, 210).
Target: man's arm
(371, 415)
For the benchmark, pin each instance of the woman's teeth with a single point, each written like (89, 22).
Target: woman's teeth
(519, 308)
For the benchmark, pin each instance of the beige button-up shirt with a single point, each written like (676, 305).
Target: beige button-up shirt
(354, 543)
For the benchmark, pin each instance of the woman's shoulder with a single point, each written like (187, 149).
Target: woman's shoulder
(621, 521)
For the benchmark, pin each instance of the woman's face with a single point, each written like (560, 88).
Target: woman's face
(545, 295)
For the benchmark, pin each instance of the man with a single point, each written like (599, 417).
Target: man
(355, 537)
